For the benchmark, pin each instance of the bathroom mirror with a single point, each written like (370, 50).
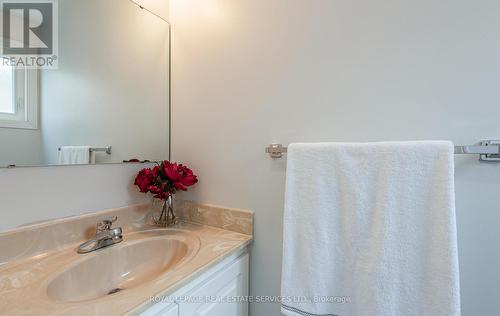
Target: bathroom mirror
(109, 94)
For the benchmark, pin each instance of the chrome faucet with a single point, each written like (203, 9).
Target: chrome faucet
(104, 236)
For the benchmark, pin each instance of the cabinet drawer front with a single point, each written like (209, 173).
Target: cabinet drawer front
(161, 309)
(210, 298)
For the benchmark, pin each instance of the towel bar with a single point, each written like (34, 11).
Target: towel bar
(106, 149)
(488, 150)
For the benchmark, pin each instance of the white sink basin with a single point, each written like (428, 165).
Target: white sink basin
(119, 267)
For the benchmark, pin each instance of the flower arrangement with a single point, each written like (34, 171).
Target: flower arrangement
(163, 181)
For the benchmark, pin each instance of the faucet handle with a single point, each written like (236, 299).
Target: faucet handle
(106, 224)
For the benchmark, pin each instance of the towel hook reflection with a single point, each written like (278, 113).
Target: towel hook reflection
(106, 149)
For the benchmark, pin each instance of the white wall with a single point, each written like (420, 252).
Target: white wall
(35, 194)
(251, 72)
(111, 87)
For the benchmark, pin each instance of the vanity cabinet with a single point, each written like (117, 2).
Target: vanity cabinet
(220, 291)
(171, 309)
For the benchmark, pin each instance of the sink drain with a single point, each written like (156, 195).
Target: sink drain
(113, 291)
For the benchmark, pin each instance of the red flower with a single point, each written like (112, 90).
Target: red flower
(170, 170)
(145, 178)
(158, 193)
(181, 176)
(164, 180)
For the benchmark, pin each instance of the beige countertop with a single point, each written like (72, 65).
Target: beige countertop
(24, 279)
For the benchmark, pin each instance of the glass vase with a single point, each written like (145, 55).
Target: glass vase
(166, 216)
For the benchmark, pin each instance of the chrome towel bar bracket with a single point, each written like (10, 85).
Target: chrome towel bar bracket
(276, 150)
(106, 149)
(488, 150)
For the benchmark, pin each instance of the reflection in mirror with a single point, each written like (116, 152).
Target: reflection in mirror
(111, 88)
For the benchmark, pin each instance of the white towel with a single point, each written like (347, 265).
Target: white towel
(75, 155)
(369, 229)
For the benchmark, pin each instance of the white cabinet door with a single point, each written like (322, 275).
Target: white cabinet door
(161, 309)
(222, 294)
